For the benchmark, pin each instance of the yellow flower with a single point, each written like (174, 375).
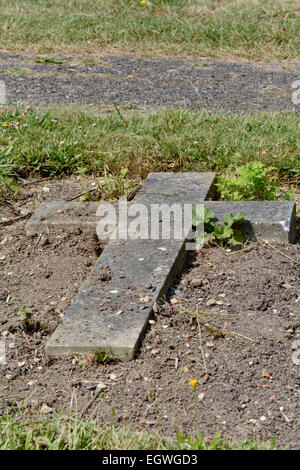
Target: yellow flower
(143, 2)
(193, 383)
(4, 124)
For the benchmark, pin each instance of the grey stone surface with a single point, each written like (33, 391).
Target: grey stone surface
(113, 306)
(265, 220)
(51, 216)
(190, 187)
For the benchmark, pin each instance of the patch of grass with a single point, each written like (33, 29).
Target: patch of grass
(28, 323)
(7, 174)
(63, 141)
(251, 182)
(67, 432)
(103, 357)
(112, 187)
(48, 60)
(261, 29)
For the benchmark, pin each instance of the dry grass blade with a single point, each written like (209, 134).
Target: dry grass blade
(15, 219)
(200, 342)
(282, 253)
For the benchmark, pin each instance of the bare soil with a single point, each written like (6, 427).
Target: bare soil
(240, 350)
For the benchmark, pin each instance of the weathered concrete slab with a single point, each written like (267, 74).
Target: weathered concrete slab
(51, 216)
(113, 306)
(265, 220)
(190, 187)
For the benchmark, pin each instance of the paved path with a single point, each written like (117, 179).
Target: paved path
(147, 82)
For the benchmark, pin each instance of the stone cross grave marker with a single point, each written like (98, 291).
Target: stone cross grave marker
(130, 278)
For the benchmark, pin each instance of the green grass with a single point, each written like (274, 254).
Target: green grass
(261, 29)
(67, 432)
(64, 141)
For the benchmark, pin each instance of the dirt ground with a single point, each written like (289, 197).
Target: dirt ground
(240, 350)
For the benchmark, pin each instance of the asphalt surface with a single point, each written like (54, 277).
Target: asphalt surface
(131, 81)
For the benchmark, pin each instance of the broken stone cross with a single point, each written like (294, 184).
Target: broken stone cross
(113, 306)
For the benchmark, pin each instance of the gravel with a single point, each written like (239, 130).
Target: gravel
(180, 82)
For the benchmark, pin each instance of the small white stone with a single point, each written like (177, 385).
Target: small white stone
(35, 360)
(262, 418)
(46, 409)
(295, 344)
(45, 189)
(2, 353)
(31, 382)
